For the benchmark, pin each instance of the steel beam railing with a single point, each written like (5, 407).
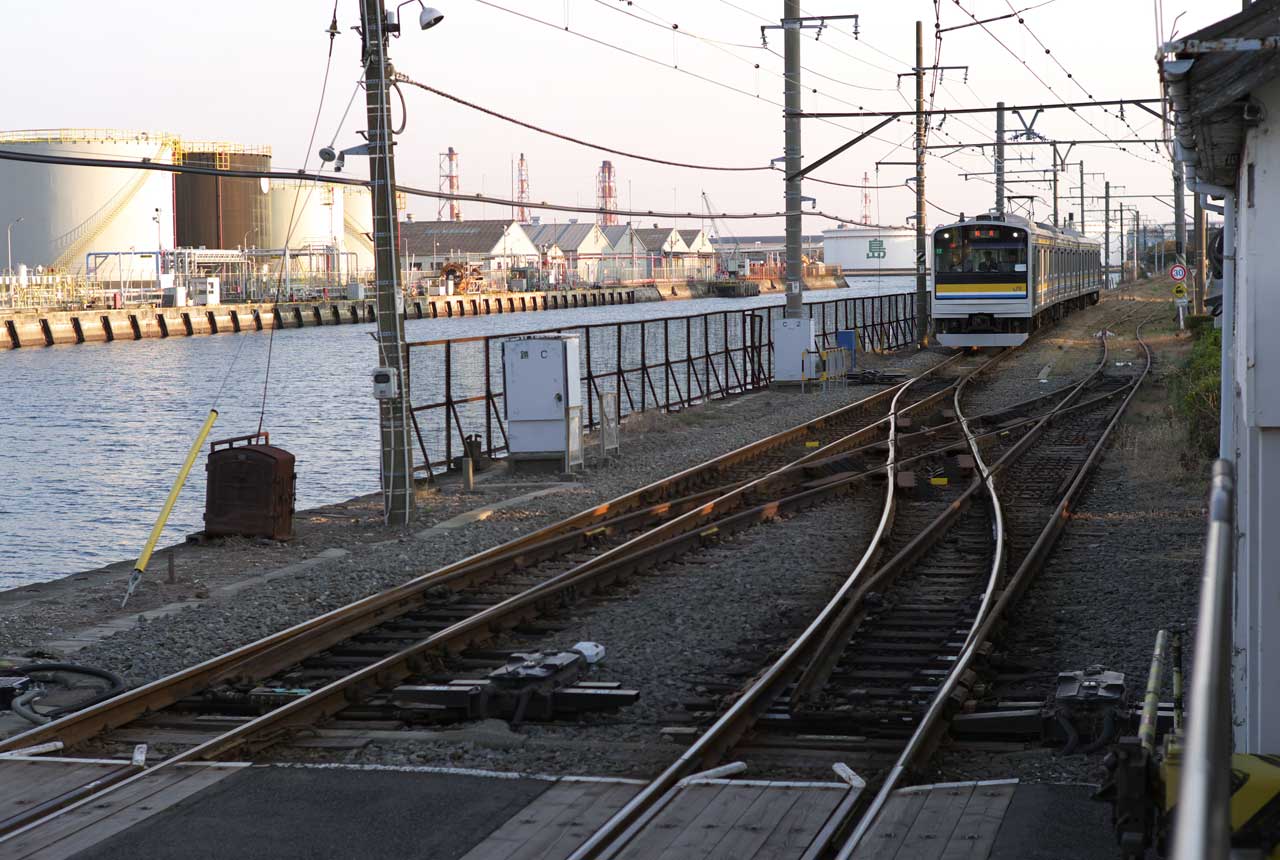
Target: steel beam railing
(1203, 827)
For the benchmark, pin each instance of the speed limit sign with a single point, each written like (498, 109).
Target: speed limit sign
(1178, 272)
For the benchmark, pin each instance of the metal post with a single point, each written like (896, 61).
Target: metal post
(791, 152)
(999, 165)
(1082, 195)
(1106, 233)
(397, 454)
(1122, 243)
(1226, 429)
(922, 287)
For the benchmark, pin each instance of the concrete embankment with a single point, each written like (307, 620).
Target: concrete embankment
(38, 327)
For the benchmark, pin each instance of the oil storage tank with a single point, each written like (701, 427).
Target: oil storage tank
(68, 211)
(357, 215)
(221, 211)
(867, 250)
(315, 209)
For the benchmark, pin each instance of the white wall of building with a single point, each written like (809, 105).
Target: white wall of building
(869, 249)
(70, 211)
(1255, 411)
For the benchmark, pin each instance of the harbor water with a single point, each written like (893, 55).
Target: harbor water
(91, 436)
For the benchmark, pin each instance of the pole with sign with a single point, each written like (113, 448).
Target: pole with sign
(1179, 274)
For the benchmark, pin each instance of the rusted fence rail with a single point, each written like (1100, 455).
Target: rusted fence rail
(456, 385)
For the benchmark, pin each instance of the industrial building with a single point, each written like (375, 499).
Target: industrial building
(465, 254)
(80, 235)
(575, 251)
(869, 250)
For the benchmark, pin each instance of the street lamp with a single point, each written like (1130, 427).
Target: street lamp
(9, 233)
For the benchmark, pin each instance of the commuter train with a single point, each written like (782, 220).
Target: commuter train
(998, 279)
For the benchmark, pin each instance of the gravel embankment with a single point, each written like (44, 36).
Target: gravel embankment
(1127, 565)
(654, 446)
(683, 633)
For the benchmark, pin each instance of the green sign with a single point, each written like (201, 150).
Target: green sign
(875, 250)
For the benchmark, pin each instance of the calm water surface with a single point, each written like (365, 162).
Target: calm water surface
(91, 436)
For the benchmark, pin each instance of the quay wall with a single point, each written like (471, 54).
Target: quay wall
(37, 327)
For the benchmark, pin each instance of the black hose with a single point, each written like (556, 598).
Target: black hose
(117, 684)
(1073, 737)
(1108, 735)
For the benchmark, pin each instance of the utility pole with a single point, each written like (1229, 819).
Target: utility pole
(1179, 215)
(1197, 258)
(922, 286)
(1055, 185)
(393, 412)
(791, 152)
(1082, 195)
(999, 165)
(1106, 231)
(1121, 243)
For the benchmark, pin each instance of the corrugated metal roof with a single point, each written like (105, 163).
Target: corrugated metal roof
(615, 233)
(464, 237)
(569, 237)
(689, 236)
(655, 238)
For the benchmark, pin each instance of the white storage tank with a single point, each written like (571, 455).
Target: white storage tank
(316, 211)
(543, 393)
(357, 217)
(69, 211)
(861, 250)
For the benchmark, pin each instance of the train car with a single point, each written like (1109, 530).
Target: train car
(998, 279)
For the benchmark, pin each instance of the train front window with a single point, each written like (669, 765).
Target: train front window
(996, 249)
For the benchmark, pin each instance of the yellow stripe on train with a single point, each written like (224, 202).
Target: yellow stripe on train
(964, 289)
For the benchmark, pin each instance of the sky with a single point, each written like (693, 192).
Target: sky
(251, 71)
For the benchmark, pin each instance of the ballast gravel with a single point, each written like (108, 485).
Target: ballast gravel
(689, 632)
(378, 558)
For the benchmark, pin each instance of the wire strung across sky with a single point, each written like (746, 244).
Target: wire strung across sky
(409, 190)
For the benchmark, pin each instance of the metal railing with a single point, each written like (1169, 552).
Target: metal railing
(1202, 830)
(456, 385)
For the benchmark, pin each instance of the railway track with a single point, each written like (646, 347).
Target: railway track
(370, 645)
(880, 669)
(325, 666)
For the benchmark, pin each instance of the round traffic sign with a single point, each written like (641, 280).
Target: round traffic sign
(1178, 272)
(1180, 291)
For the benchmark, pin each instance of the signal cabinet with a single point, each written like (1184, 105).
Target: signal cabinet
(249, 490)
(543, 394)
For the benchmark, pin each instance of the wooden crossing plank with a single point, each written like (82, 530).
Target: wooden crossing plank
(528, 822)
(757, 822)
(796, 830)
(26, 783)
(566, 832)
(80, 828)
(717, 818)
(888, 833)
(975, 832)
(932, 829)
(667, 826)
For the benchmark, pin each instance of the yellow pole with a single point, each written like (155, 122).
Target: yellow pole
(141, 564)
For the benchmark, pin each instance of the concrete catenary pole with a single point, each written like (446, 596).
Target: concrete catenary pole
(1000, 159)
(1106, 230)
(393, 412)
(1082, 195)
(1122, 243)
(791, 151)
(1197, 258)
(922, 286)
(1055, 185)
(1179, 215)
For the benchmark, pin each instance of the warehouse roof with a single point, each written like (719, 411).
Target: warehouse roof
(656, 239)
(463, 237)
(568, 237)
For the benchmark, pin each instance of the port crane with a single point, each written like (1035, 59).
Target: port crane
(729, 263)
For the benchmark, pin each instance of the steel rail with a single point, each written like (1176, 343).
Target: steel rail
(920, 741)
(336, 695)
(615, 833)
(344, 621)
